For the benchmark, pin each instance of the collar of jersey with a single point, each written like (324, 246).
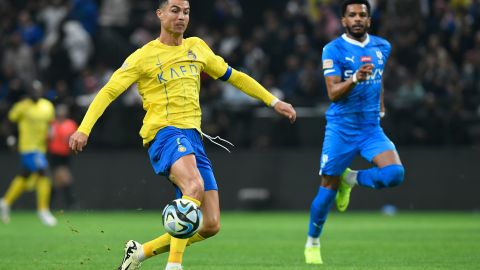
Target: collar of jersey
(159, 43)
(354, 42)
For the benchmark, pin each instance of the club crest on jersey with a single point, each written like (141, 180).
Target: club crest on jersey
(366, 59)
(380, 57)
(191, 55)
(182, 148)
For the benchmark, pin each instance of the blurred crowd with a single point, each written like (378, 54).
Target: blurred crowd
(432, 82)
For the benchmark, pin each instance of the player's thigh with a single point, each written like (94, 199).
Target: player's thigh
(376, 147)
(386, 158)
(185, 174)
(337, 153)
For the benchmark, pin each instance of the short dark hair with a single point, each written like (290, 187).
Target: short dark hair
(163, 2)
(351, 2)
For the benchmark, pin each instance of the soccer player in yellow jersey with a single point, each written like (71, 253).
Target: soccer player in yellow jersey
(33, 116)
(167, 71)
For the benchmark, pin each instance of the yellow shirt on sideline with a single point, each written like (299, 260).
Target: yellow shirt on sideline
(33, 119)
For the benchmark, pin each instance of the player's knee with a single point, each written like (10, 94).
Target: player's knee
(193, 187)
(393, 175)
(210, 228)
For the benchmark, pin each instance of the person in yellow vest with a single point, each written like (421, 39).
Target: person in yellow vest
(167, 71)
(32, 116)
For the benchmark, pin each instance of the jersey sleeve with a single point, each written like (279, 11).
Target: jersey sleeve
(387, 49)
(121, 79)
(215, 65)
(330, 62)
(16, 111)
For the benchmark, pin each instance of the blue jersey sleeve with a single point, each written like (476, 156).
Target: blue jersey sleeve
(330, 62)
(386, 48)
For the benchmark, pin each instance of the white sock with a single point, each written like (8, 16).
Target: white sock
(351, 178)
(176, 265)
(141, 254)
(313, 242)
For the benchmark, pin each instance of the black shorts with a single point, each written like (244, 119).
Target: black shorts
(58, 160)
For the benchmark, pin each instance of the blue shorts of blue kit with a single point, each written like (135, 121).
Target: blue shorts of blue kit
(171, 143)
(34, 161)
(342, 144)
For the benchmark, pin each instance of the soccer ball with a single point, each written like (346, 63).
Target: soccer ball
(181, 218)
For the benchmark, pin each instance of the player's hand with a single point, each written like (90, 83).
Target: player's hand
(78, 141)
(286, 110)
(364, 71)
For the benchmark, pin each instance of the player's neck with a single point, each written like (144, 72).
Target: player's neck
(170, 39)
(361, 39)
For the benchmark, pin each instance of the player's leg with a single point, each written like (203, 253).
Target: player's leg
(388, 170)
(319, 209)
(14, 191)
(44, 190)
(337, 154)
(210, 204)
(210, 207)
(186, 176)
(17, 186)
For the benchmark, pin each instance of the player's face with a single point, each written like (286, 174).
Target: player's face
(356, 20)
(174, 16)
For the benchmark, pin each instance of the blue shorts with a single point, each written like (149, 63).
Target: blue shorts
(341, 144)
(171, 143)
(34, 161)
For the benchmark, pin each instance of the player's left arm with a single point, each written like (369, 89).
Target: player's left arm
(251, 87)
(386, 50)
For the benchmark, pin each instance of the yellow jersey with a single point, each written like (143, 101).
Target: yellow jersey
(168, 79)
(33, 119)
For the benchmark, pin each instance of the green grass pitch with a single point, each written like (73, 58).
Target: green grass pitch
(260, 240)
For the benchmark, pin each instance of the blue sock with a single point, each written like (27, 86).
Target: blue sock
(378, 178)
(319, 210)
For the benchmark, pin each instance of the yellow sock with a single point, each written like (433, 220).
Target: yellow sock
(162, 244)
(44, 188)
(197, 202)
(16, 188)
(195, 238)
(157, 246)
(177, 248)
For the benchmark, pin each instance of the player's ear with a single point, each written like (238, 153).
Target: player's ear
(369, 22)
(159, 14)
(344, 22)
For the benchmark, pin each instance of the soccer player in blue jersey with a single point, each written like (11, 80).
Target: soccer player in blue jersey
(353, 66)
(167, 71)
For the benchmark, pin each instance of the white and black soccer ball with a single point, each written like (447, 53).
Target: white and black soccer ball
(181, 218)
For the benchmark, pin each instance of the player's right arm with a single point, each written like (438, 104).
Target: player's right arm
(121, 79)
(332, 70)
(338, 89)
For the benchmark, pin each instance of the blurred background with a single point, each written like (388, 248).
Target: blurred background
(432, 96)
